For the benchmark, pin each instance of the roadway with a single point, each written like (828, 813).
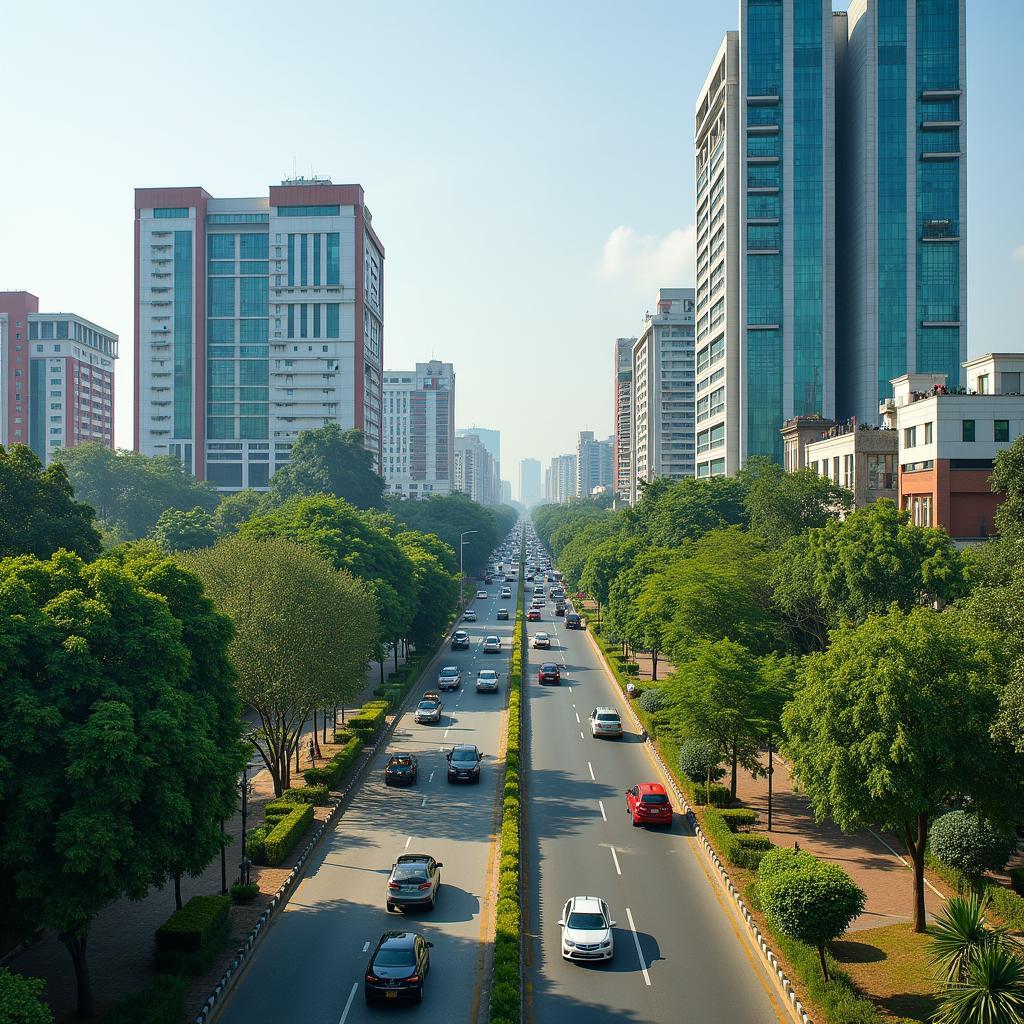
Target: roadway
(310, 965)
(679, 953)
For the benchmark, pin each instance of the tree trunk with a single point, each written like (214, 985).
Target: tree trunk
(315, 737)
(824, 962)
(325, 725)
(735, 758)
(654, 666)
(396, 655)
(382, 670)
(177, 890)
(76, 947)
(916, 847)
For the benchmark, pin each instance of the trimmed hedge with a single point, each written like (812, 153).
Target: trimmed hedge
(370, 719)
(1005, 903)
(331, 773)
(189, 940)
(744, 851)
(738, 817)
(286, 832)
(316, 795)
(244, 893)
(162, 1002)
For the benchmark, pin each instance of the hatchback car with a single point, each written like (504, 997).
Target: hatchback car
(481, 595)
(506, 591)
(605, 722)
(502, 613)
(398, 964)
(450, 678)
(464, 763)
(487, 681)
(541, 641)
(587, 929)
(428, 712)
(401, 770)
(533, 615)
(549, 673)
(414, 882)
(492, 645)
(469, 615)
(460, 639)
(647, 803)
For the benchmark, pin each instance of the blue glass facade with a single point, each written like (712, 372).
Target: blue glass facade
(184, 289)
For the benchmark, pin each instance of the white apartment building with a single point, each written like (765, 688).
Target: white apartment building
(418, 424)
(529, 482)
(594, 463)
(560, 479)
(622, 436)
(475, 472)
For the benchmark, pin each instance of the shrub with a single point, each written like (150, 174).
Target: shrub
(697, 757)
(254, 841)
(720, 795)
(162, 1002)
(20, 1001)
(189, 929)
(970, 844)
(744, 851)
(632, 668)
(331, 773)
(736, 817)
(652, 699)
(286, 833)
(783, 858)
(244, 893)
(1017, 880)
(316, 795)
(369, 720)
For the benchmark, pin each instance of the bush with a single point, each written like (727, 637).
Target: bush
(189, 929)
(632, 668)
(369, 720)
(1017, 880)
(736, 817)
(744, 851)
(244, 893)
(652, 699)
(316, 795)
(162, 1002)
(698, 756)
(970, 844)
(254, 844)
(720, 795)
(331, 773)
(286, 833)
(782, 859)
(20, 1001)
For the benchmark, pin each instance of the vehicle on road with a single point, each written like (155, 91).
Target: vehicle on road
(502, 613)
(450, 678)
(414, 882)
(428, 711)
(506, 591)
(469, 615)
(488, 579)
(605, 722)
(464, 763)
(398, 965)
(587, 925)
(559, 607)
(549, 673)
(401, 770)
(573, 620)
(533, 615)
(487, 681)
(481, 595)
(492, 645)
(647, 803)
(541, 641)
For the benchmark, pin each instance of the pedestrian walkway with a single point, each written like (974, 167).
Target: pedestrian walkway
(874, 860)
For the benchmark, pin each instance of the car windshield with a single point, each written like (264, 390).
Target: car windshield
(394, 958)
(464, 755)
(654, 798)
(410, 873)
(488, 673)
(609, 717)
(428, 705)
(449, 672)
(586, 922)
(549, 667)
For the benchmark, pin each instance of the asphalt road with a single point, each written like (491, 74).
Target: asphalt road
(309, 968)
(679, 954)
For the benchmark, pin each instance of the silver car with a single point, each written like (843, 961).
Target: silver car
(487, 681)
(449, 678)
(428, 711)
(492, 645)
(414, 881)
(605, 722)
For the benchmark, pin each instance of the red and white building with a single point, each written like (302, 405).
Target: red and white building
(56, 377)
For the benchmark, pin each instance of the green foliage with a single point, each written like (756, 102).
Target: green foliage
(38, 511)
(333, 771)
(672, 512)
(20, 999)
(700, 757)
(1008, 478)
(316, 795)
(437, 584)
(652, 699)
(743, 851)
(331, 461)
(287, 831)
(738, 817)
(369, 721)
(244, 893)
(1006, 903)
(235, 509)
(783, 859)
(161, 1002)
(190, 929)
(178, 530)
(970, 844)
(958, 934)
(991, 990)
(129, 490)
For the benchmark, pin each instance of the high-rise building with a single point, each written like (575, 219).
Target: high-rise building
(56, 377)
(506, 492)
(418, 425)
(663, 391)
(255, 319)
(622, 436)
(561, 478)
(475, 472)
(491, 440)
(529, 482)
(902, 189)
(593, 463)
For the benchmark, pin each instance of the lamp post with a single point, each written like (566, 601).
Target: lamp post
(771, 771)
(243, 875)
(462, 544)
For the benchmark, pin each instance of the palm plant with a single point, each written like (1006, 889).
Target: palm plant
(959, 933)
(989, 991)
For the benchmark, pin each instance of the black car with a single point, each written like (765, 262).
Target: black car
(502, 613)
(559, 607)
(397, 967)
(460, 640)
(401, 770)
(464, 763)
(488, 579)
(573, 620)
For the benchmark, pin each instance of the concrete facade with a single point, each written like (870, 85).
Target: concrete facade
(622, 435)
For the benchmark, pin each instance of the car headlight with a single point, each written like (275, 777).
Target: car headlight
(569, 943)
(606, 943)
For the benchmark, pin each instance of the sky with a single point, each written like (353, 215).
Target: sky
(529, 168)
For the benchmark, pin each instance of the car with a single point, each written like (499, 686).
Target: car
(460, 639)
(492, 645)
(573, 620)
(533, 615)
(428, 711)
(449, 678)
(529, 577)
(555, 593)
(488, 579)
(401, 770)
(560, 608)
(481, 595)
(398, 966)
(538, 602)
(469, 615)
(647, 803)
(509, 577)
(487, 681)
(538, 591)
(464, 763)
(587, 925)
(541, 641)
(502, 613)
(605, 722)
(414, 881)
(549, 673)
(506, 591)
(431, 695)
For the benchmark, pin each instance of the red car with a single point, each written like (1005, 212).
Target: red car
(648, 804)
(549, 673)
(533, 615)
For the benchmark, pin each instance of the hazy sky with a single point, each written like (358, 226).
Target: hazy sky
(528, 166)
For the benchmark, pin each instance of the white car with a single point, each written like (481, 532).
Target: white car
(449, 678)
(605, 722)
(487, 681)
(492, 645)
(481, 595)
(428, 711)
(541, 641)
(587, 925)
(469, 615)
(506, 591)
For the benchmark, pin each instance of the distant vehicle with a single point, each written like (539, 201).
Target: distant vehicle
(428, 712)
(450, 678)
(460, 639)
(401, 770)
(538, 602)
(488, 578)
(533, 615)
(573, 620)
(502, 613)
(414, 882)
(557, 575)
(481, 595)
(549, 673)
(492, 645)
(509, 577)
(487, 681)
(541, 641)
(538, 591)
(605, 722)
(587, 929)
(647, 803)
(398, 965)
(560, 608)
(469, 615)
(506, 591)
(464, 763)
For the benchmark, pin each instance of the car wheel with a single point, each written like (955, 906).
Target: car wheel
(369, 999)
(419, 994)
(636, 824)
(430, 903)
(391, 907)
(476, 781)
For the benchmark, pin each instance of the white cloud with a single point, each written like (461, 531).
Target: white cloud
(650, 262)
(1018, 254)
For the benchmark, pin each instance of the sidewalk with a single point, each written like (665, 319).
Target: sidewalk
(872, 859)
(120, 948)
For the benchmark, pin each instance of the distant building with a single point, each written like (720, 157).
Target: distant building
(622, 436)
(419, 430)
(529, 482)
(491, 440)
(56, 378)
(663, 391)
(593, 463)
(858, 457)
(561, 479)
(475, 473)
(506, 492)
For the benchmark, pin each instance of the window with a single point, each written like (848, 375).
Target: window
(308, 211)
(333, 320)
(220, 247)
(967, 430)
(1001, 430)
(1011, 383)
(928, 432)
(848, 471)
(170, 211)
(880, 472)
(333, 257)
(909, 437)
(983, 384)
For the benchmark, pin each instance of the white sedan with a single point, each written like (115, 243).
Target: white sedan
(492, 645)
(541, 641)
(481, 595)
(587, 925)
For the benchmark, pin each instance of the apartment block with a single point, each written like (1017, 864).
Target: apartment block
(593, 463)
(622, 436)
(560, 479)
(529, 482)
(475, 471)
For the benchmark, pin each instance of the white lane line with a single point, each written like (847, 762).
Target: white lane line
(574, 707)
(446, 733)
(578, 718)
(366, 946)
(423, 803)
(591, 767)
(581, 735)
(639, 951)
(431, 779)
(615, 858)
(599, 804)
(348, 1003)
(408, 840)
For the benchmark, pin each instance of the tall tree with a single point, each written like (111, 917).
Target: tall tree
(234, 509)
(1008, 479)
(892, 723)
(177, 530)
(331, 461)
(38, 511)
(437, 585)
(449, 516)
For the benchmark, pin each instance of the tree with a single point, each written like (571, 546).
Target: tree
(118, 736)
(235, 509)
(303, 634)
(38, 511)
(130, 490)
(1008, 479)
(437, 584)
(689, 508)
(20, 999)
(795, 597)
(969, 844)
(449, 516)
(331, 461)
(699, 760)
(893, 722)
(177, 530)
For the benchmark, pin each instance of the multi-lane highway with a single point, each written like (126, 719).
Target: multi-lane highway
(310, 966)
(679, 954)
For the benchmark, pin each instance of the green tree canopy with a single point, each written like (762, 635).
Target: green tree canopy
(177, 530)
(1008, 479)
(38, 511)
(449, 516)
(689, 508)
(234, 509)
(437, 585)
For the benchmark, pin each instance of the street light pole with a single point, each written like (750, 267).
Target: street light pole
(462, 574)
(771, 771)
(243, 876)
